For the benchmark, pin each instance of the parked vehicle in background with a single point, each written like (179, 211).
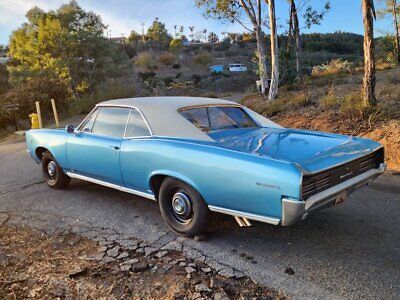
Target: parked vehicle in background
(217, 69)
(237, 68)
(196, 155)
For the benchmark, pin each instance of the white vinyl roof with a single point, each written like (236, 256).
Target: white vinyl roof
(163, 117)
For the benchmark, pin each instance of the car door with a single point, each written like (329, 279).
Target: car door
(136, 149)
(94, 149)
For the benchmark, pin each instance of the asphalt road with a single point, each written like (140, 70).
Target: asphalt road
(348, 251)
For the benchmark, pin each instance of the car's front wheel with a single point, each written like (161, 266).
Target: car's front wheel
(183, 208)
(52, 173)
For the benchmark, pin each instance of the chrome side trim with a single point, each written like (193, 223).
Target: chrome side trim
(236, 213)
(111, 185)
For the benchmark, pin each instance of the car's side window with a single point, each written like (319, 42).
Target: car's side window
(111, 121)
(136, 125)
(88, 125)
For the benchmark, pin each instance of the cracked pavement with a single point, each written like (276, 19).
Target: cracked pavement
(349, 251)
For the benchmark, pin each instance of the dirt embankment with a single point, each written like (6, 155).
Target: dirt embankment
(387, 133)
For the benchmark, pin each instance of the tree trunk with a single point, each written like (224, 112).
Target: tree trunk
(369, 59)
(297, 36)
(396, 28)
(261, 60)
(288, 45)
(273, 89)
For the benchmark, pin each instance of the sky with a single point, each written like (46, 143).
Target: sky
(122, 16)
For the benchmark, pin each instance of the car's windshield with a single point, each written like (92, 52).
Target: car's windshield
(218, 117)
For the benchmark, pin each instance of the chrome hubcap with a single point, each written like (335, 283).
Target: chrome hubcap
(181, 206)
(51, 168)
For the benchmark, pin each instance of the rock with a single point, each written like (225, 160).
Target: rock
(125, 268)
(105, 243)
(195, 279)
(130, 261)
(57, 289)
(206, 270)
(201, 287)
(97, 257)
(160, 254)
(140, 267)
(196, 296)
(107, 260)
(221, 296)
(4, 260)
(216, 283)
(149, 251)
(227, 272)
(102, 249)
(112, 237)
(3, 218)
(190, 270)
(123, 255)
(192, 265)
(166, 267)
(182, 264)
(77, 272)
(113, 252)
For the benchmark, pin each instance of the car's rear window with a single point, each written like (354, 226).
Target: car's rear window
(218, 117)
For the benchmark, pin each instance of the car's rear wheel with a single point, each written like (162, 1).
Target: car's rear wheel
(52, 172)
(182, 207)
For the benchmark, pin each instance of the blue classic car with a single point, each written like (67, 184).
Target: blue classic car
(197, 155)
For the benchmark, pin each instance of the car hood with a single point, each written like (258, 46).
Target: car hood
(314, 151)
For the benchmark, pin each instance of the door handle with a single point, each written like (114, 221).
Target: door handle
(115, 147)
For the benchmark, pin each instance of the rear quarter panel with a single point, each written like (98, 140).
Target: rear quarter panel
(224, 178)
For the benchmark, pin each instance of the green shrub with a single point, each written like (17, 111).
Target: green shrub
(335, 66)
(146, 60)
(175, 45)
(353, 105)
(167, 58)
(37, 89)
(202, 58)
(330, 101)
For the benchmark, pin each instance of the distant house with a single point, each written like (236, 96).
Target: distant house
(118, 39)
(237, 68)
(217, 69)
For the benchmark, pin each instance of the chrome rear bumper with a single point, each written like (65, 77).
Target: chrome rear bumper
(295, 210)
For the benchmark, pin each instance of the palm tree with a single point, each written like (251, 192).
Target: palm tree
(205, 35)
(191, 28)
(369, 15)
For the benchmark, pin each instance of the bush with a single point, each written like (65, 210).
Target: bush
(335, 66)
(167, 58)
(353, 105)
(175, 45)
(176, 66)
(144, 76)
(146, 60)
(330, 101)
(38, 89)
(202, 58)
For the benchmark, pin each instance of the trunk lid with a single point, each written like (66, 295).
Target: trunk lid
(314, 151)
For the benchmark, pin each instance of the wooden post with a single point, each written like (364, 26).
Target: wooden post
(53, 104)
(39, 114)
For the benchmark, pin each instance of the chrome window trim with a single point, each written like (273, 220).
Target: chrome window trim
(111, 185)
(145, 121)
(126, 124)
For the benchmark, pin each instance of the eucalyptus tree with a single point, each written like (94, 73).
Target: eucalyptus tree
(392, 8)
(368, 10)
(311, 17)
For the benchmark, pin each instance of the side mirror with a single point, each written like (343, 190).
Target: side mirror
(70, 128)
